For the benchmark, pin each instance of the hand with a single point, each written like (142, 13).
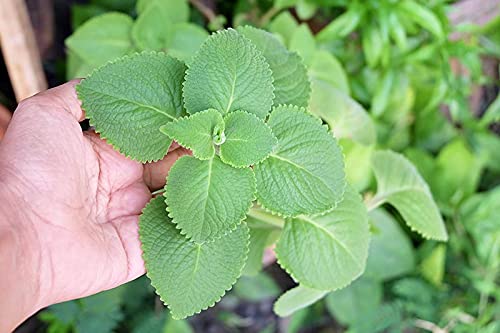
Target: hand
(69, 205)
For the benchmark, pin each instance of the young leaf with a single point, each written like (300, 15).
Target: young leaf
(400, 184)
(422, 16)
(174, 11)
(391, 252)
(153, 30)
(228, 74)
(344, 115)
(284, 25)
(297, 298)
(432, 266)
(110, 31)
(326, 252)
(207, 199)
(189, 277)
(248, 140)
(186, 40)
(198, 132)
(126, 111)
(305, 175)
(291, 84)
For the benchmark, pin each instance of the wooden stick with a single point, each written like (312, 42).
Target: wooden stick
(20, 50)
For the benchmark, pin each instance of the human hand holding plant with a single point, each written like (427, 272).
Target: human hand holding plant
(69, 205)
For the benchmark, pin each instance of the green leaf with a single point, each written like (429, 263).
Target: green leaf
(102, 38)
(326, 252)
(256, 288)
(358, 162)
(344, 115)
(189, 277)
(207, 199)
(391, 251)
(295, 299)
(264, 230)
(342, 25)
(422, 16)
(302, 42)
(359, 300)
(174, 11)
(127, 112)
(198, 132)
(284, 25)
(248, 140)
(186, 40)
(305, 9)
(400, 184)
(327, 68)
(291, 84)
(305, 174)
(153, 29)
(228, 74)
(372, 43)
(433, 265)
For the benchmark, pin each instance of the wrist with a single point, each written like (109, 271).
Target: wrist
(18, 281)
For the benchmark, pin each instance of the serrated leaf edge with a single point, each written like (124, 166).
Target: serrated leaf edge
(364, 260)
(90, 118)
(183, 144)
(262, 159)
(228, 231)
(260, 56)
(218, 298)
(319, 121)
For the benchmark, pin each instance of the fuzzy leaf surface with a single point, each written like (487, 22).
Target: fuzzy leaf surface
(400, 184)
(130, 99)
(189, 277)
(248, 139)
(228, 74)
(174, 11)
(196, 132)
(327, 252)
(291, 83)
(297, 298)
(207, 199)
(111, 32)
(305, 173)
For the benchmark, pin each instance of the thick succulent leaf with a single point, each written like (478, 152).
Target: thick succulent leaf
(326, 252)
(359, 300)
(174, 11)
(345, 116)
(297, 298)
(400, 184)
(153, 30)
(186, 41)
(248, 139)
(291, 84)
(189, 277)
(129, 113)
(325, 67)
(207, 199)
(197, 132)
(101, 39)
(305, 174)
(228, 74)
(391, 251)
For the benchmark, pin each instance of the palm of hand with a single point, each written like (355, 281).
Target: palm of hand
(78, 192)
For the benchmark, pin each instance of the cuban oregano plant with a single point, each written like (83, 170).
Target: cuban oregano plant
(263, 168)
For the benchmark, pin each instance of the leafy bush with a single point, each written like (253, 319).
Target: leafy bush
(265, 171)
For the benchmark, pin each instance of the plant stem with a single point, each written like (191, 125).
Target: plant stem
(266, 217)
(264, 20)
(204, 9)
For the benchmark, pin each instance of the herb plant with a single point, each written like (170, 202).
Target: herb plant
(259, 158)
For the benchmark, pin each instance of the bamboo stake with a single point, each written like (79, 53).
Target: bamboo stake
(20, 50)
